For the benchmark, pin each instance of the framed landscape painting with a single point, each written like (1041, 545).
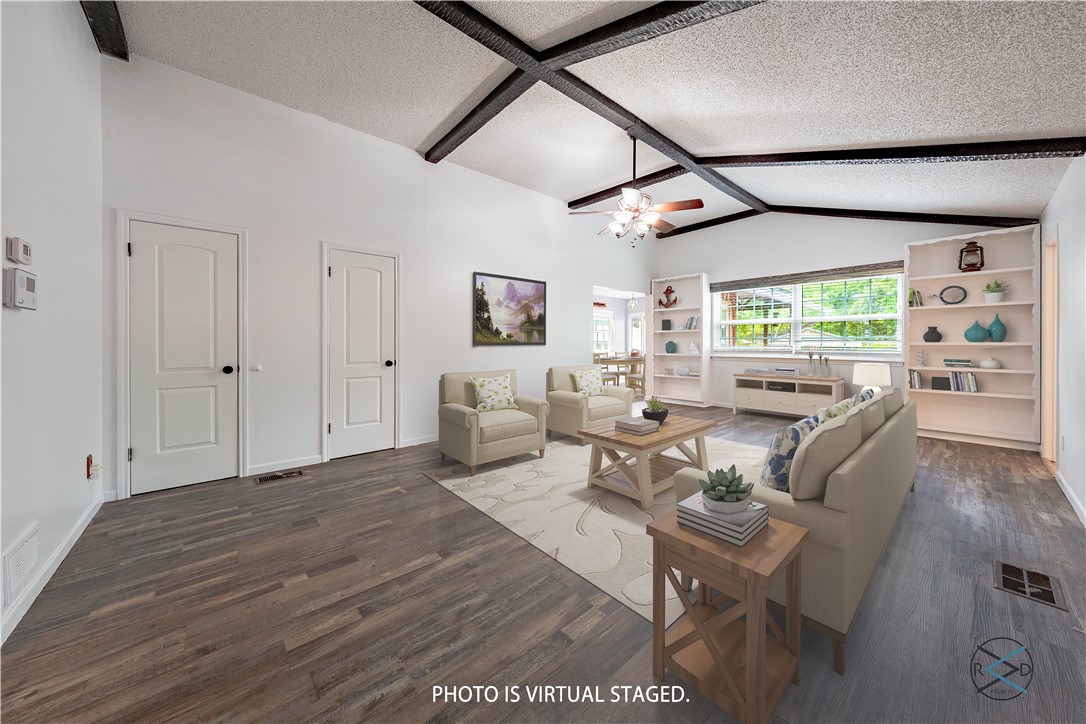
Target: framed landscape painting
(509, 310)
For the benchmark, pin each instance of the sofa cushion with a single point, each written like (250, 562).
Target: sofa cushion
(833, 411)
(589, 382)
(493, 393)
(504, 424)
(820, 454)
(893, 401)
(779, 457)
(872, 416)
(604, 406)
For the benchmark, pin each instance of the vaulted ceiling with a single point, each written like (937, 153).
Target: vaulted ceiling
(514, 89)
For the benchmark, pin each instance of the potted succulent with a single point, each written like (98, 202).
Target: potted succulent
(654, 410)
(725, 492)
(993, 291)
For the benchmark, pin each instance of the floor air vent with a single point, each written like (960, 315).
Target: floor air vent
(279, 476)
(1035, 586)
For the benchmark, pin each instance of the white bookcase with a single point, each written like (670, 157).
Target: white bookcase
(1005, 409)
(692, 294)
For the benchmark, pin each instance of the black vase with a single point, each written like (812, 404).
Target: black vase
(933, 335)
(658, 416)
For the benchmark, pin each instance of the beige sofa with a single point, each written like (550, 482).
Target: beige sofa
(849, 479)
(474, 437)
(571, 411)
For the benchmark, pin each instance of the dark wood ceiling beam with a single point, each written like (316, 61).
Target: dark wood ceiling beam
(708, 223)
(497, 39)
(935, 153)
(105, 23)
(640, 182)
(918, 217)
(652, 22)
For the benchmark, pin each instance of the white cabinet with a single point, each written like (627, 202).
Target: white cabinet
(787, 394)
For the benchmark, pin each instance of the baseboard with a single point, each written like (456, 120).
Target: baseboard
(413, 441)
(1080, 511)
(283, 465)
(25, 599)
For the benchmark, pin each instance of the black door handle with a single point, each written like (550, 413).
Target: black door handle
(228, 369)
(389, 363)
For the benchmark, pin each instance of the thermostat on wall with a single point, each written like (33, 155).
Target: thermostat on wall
(20, 289)
(18, 250)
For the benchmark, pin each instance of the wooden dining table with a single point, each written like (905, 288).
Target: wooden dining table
(622, 365)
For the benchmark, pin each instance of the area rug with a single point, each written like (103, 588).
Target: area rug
(598, 534)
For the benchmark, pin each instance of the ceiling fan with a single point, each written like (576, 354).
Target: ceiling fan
(636, 211)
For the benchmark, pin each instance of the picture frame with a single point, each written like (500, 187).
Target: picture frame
(508, 311)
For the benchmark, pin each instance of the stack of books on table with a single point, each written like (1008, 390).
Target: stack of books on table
(636, 425)
(736, 528)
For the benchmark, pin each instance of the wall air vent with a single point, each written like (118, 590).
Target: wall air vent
(19, 562)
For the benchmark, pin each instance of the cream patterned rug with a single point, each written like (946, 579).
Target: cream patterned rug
(595, 533)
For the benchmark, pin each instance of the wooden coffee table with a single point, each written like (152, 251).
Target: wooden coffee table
(731, 661)
(637, 467)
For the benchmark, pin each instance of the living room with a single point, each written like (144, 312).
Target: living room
(302, 131)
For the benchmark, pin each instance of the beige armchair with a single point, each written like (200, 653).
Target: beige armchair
(571, 411)
(474, 437)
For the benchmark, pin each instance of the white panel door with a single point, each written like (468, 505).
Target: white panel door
(183, 332)
(361, 353)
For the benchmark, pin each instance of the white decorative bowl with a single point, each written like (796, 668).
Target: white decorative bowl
(990, 363)
(720, 506)
(682, 371)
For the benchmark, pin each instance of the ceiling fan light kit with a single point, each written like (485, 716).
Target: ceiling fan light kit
(636, 211)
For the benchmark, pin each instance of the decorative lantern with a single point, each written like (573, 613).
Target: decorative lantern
(971, 257)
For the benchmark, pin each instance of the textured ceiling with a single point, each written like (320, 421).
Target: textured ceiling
(997, 188)
(779, 76)
(786, 76)
(392, 70)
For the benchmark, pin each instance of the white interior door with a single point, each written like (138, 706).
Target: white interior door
(361, 352)
(183, 332)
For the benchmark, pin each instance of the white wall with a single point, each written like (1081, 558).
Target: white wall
(783, 244)
(52, 361)
(182, 146)
(1065, 216)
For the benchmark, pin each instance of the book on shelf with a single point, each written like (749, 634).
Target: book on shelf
(963, 382)
(637, 425)
(951, 362)
(915, 383)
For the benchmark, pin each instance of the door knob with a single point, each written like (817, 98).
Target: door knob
(227, 369)
(389, 363)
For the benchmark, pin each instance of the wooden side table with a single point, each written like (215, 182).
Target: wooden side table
(730, 661)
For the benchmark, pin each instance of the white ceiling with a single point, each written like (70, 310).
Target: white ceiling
(776, 77)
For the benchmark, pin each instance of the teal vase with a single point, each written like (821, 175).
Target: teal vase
(671, 348)
(997, 330)
(977, 333)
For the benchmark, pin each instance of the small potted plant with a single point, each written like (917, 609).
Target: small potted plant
(993, 291)
(654, 410)
(725, 492)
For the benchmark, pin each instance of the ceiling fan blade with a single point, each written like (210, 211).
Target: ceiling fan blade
(678, 205)
(573, 213)
(663, 226)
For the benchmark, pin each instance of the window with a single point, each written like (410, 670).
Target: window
(846, 315)
(603, 330)
(637, 332)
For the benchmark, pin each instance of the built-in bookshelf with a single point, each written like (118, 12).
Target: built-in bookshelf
(690, 323)
(1004, 409)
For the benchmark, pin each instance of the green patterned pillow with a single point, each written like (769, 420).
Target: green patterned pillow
(589, 382)
(828, 413)
(493, 393)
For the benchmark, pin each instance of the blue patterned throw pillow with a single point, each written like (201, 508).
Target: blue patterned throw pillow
(778, 459)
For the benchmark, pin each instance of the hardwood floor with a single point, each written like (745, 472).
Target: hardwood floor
(348, 594)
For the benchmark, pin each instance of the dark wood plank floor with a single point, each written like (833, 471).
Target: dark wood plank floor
(349, 594)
